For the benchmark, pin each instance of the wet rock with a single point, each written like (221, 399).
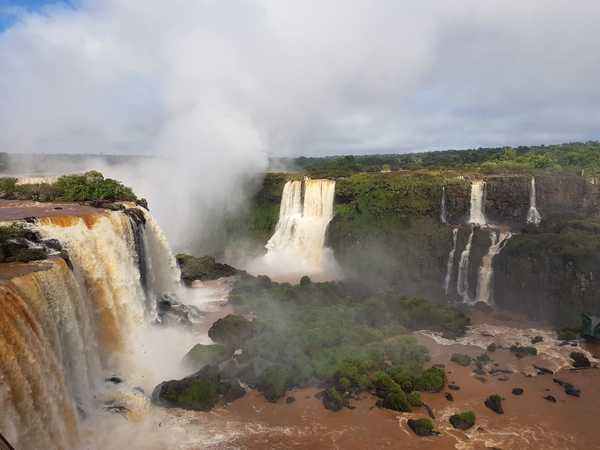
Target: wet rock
(494, 402)
(429, 411)
(114, 380)
(479, 371)
(463, 421)
(503, 378)
(542, 370)
(495, 371)
(199, 392)
(203, 268)
(290, 400)
(517, 391)
(580, 360)
(139, 390)
(143, 203)
(116, 408)
(537, 339)
(453, 387)
(492, 347)
(449, 397)
(480, 378)
(522, 351)
(171, 311)
(568, 387)
(461, 359)
(421, 427)
(550, 398)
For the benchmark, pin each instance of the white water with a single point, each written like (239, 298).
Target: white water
(450, 265)
(443, 212)
(533, 215)
(297, 246)
(462, 284)
(63, 331)
(486, 271)
(477, 213)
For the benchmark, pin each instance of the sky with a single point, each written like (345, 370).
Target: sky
(306, 77)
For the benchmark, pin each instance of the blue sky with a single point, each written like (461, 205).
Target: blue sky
(10, 9)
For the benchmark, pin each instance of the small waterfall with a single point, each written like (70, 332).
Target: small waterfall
(533, 215)
(450, 265)
(486, 271)
(462, 285)
(443, 212)
(298, 243)
(477, 213)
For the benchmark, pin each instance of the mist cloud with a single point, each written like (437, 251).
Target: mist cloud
(213, 87)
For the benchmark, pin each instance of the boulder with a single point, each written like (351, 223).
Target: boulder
(449, 397)
(537, 339)
(492, 347)
(421, 427)
(231, 331)
(494, 402)
(463, 421)
(580, 360)
(203, 268)
(453, 387)
(333, 400)
(517, 391)
(550, 398)
(522, 351)
(199, 392)
(171, 311)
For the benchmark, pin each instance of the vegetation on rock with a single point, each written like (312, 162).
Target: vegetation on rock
(202, 268)
(463, 421)
(421, 427)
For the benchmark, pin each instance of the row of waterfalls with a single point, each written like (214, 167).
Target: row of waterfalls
(498, 238)
(67, 324)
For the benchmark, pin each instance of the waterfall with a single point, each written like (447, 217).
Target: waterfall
(486, 271)
(450, 265)
(462, 285)
(62, 330)
(297, 246)
(443, 212)
(477, 213)
(533, 215)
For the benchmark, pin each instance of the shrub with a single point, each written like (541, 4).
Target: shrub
(396, 400)
(273, 383)
(463, 421)
(431, 380)
(460, 359)
(414, 399)
(333, 399)
(421, 427)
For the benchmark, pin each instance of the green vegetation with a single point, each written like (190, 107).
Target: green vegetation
(463, 421)
(568, 334)
(421, 427)
(571, 156)
(231, 331)
(91, 186)
(203, 268)
(332, 333)
(202, 355)
(460, 359)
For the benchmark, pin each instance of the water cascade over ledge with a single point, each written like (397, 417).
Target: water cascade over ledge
(450, 265)
(297, 246)
(65, 328)
(477, 212)
(533, 215)
(443, 209)
(486, 271)
(462, 284)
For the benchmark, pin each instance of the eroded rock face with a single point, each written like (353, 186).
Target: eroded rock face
(199, 392)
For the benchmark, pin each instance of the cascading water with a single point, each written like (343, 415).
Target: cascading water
(477, 213)
(533, 215)
(486, 271)
(443, 212)
(462, 284)
(450, 265)
(297, 246)
(63, 330)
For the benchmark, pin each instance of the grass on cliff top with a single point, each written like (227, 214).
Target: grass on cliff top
(333, 333)
(91, 186)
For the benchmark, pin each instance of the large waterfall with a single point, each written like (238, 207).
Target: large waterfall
(498, 240)
(297, 246)
(450, 265)
(477, 213)
(63, 329)
(533, 215)
(462, 284)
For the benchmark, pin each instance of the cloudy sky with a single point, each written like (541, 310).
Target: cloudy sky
(296, 77)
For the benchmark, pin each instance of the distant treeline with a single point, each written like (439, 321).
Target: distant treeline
(574, 156)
